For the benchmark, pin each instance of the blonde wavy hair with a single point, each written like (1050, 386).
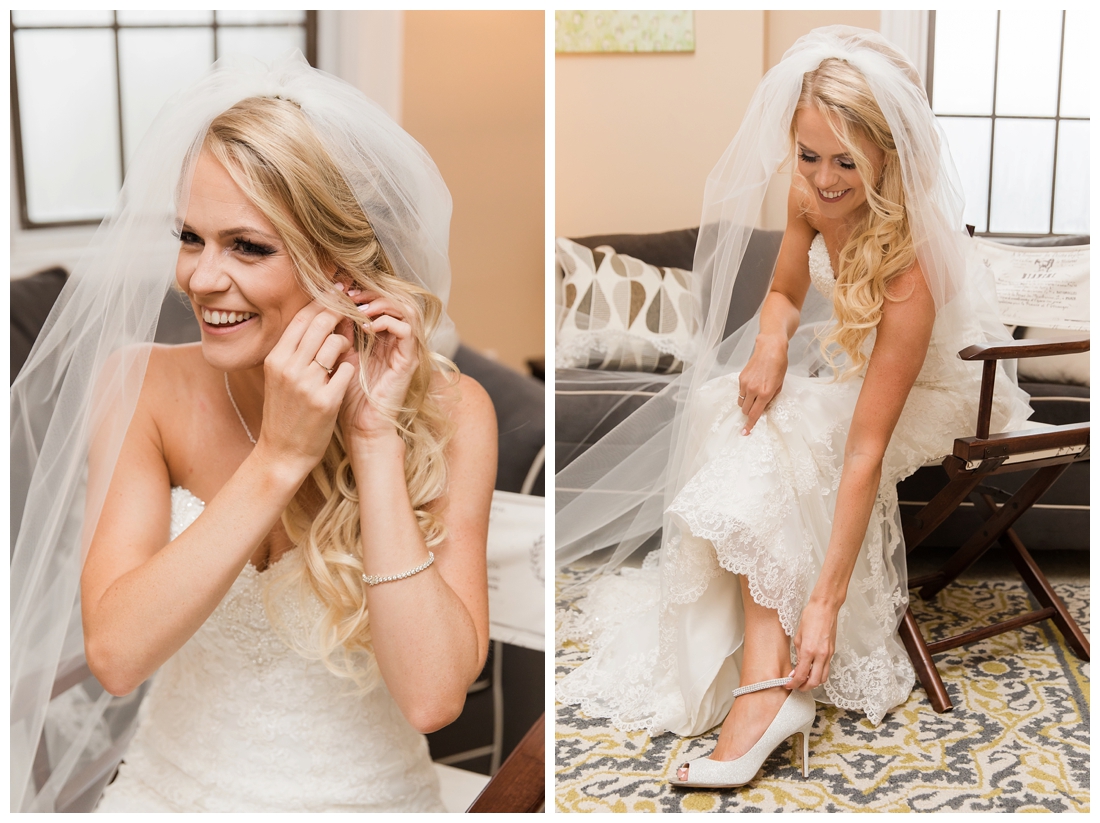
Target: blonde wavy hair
(879, 247)
(269, 148)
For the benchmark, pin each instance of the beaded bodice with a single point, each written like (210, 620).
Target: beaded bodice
(238, 720)
(821, 268)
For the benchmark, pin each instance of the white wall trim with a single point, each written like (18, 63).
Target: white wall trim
(908, 30)
(365, 48)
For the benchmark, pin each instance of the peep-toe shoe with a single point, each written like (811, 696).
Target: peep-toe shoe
(796, 716)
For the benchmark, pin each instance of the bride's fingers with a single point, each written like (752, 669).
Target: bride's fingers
(316, 334)
(296, 329)
(400, 331)
(383, 305)
(340, 380)
(754, 412)
(800, 674)
(819, 673)
(331, 349)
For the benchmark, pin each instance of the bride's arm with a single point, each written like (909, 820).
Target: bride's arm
(900, 346)
(762, 377)
(143, 597)
(430, 631)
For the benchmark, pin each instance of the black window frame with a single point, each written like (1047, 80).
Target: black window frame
(310, 26)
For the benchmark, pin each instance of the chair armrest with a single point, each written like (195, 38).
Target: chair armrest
(1026, 445)
(520, 785)
(1025, 348)
(990, 353)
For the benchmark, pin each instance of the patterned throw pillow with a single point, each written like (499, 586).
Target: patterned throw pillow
(623, 314)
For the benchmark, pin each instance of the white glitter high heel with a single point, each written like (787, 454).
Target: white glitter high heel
(796, 716)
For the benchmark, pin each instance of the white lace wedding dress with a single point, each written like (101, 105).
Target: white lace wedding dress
(665, 639)
(237, 721)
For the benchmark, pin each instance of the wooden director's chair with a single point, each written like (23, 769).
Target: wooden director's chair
(1047, 451)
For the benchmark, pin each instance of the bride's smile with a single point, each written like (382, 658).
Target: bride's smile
(236, 271)
(828, 167)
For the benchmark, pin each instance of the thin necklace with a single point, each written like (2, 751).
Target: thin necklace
(238, 411)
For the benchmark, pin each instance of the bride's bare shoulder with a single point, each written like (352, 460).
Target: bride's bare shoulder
(176, 378)
(801, 206)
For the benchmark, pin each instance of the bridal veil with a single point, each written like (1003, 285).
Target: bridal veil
(85, 372)
(614, 496)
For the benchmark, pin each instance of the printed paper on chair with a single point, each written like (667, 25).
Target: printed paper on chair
(1046, 287)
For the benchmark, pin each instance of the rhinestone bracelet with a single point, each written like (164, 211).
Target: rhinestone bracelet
(374, 579)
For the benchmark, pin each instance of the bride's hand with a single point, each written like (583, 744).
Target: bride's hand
(814, 643)
(389, 372)
(301, 396)
(762, 377)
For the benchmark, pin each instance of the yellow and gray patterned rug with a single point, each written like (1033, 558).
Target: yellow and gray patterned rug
(1017, 740)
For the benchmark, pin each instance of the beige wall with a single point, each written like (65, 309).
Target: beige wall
(637, 134)
(474, 97)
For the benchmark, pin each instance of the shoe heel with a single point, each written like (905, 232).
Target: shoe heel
(805, 732)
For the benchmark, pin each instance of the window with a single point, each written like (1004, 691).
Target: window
(1011, 91)
(87, 84)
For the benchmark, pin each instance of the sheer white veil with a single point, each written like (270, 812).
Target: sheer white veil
(613, 497)
(87, 365)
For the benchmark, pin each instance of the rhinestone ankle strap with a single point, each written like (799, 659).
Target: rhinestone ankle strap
(764, 684)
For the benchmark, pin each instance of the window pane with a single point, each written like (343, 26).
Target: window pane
(155, 64)
(1071, 193)
(1027, 71)
(1023, 168)
(968, 139)
(962, 81)
(1075, 66)
(69, 120)
(266, 43)
(239, 16)
(63, 18)
(162, 18)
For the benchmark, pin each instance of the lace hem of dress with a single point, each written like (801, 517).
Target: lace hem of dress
(639, 692)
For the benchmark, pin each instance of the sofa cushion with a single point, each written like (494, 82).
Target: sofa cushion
(31, 300)
(521, 420)
(677, 249)
(1069, 369)
(1057, 403)
(621, 313)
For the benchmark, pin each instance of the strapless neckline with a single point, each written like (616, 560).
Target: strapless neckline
(821, 267)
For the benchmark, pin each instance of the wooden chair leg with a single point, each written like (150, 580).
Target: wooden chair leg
(1041, 589)
(923, 663)
(1002, 519)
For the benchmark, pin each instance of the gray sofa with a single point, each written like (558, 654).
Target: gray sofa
(586, 409)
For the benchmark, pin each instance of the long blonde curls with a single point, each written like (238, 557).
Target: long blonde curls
(271, 151)
(879, 247)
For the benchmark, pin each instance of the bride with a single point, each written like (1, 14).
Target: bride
(286, 522)
(781, 576)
